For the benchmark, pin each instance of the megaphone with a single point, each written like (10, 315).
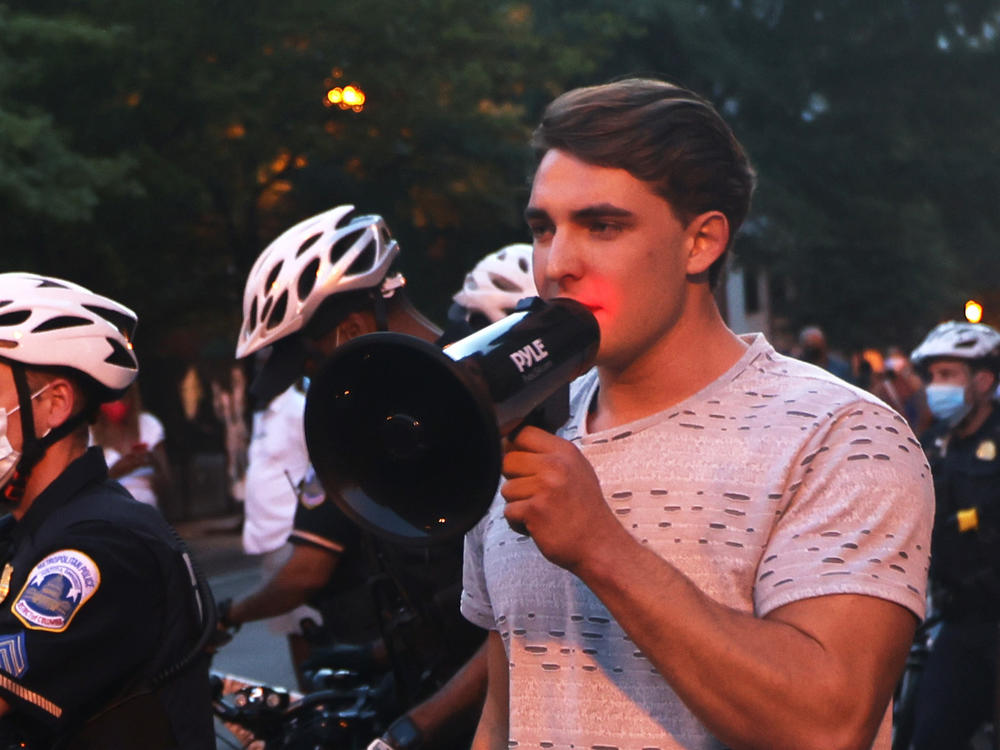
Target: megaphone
(406, 437)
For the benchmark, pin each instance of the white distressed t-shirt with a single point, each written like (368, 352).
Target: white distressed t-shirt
(775, 483)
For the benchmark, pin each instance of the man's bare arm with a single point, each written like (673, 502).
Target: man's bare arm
(816, 673)
(457, 704)
(306, 570)
(492, 732)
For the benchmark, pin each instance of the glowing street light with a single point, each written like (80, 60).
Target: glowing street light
(347, 97)
(973, 311)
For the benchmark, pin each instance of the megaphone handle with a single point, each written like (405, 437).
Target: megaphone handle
(549, 415)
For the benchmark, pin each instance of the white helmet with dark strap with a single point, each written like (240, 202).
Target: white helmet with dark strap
(958, 340)
(47, 322)
(327, 254)
(50, 322)
(496, 284)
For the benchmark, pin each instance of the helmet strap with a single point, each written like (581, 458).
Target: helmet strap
(381, 312)
(33, 448)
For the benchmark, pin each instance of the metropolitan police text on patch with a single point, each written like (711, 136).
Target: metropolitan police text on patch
(57, 587)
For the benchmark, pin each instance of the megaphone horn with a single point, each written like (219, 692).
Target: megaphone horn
(405, 437)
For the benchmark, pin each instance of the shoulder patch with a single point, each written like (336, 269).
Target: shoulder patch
(56, 589)
(13, 656)
(311, 493)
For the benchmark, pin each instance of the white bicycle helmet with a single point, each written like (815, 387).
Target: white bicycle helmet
(51, 322)
(498, 282)
(329, 253)
(960, 340)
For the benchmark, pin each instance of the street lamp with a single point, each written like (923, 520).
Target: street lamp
(347, 97)
(973, 311)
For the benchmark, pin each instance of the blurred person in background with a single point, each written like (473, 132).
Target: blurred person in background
(229, 405)
(909, 387)
(813, 348)
(277, 464)
(134, 447)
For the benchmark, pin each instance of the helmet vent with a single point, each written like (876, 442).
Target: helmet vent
(308, 278)
(273, 276)
(51, 284)
(503, 284)
(523, 264)
(61, 321)
(14, 318)
(364, 262)
(252, 318)
(120, 321)
(278, 312)
(308, 244)
(341, 246)
(346, 219)
(5, 302)
(121, 356)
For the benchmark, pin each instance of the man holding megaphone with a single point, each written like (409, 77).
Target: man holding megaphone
(722, 546)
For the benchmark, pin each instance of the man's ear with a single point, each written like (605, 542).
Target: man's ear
(984, 382)
(709, 236)
(59, 402)
(354, 325)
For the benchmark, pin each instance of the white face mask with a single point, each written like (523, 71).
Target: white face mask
(8, 456)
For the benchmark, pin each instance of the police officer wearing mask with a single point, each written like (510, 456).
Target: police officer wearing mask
(102, 616)
(960, 362)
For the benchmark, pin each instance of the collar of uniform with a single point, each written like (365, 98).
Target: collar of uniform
(989, 428)
(90, 467)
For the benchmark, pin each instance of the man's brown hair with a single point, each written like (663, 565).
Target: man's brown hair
(662, 134)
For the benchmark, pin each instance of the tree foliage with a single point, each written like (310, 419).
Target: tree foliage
(41, 173)
(153, 150)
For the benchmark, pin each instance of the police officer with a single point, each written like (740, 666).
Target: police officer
(960, 361)
(319, 284)
(100, 613)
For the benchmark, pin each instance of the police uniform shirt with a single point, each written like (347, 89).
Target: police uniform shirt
(424, 581)
(345, 601)
(966, 560)
(967, 469)
(93, 602)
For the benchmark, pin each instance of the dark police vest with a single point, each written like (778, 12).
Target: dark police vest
(965, 563)
(73, 690)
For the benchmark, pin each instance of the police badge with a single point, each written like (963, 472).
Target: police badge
(986, 450)
(8, 571)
